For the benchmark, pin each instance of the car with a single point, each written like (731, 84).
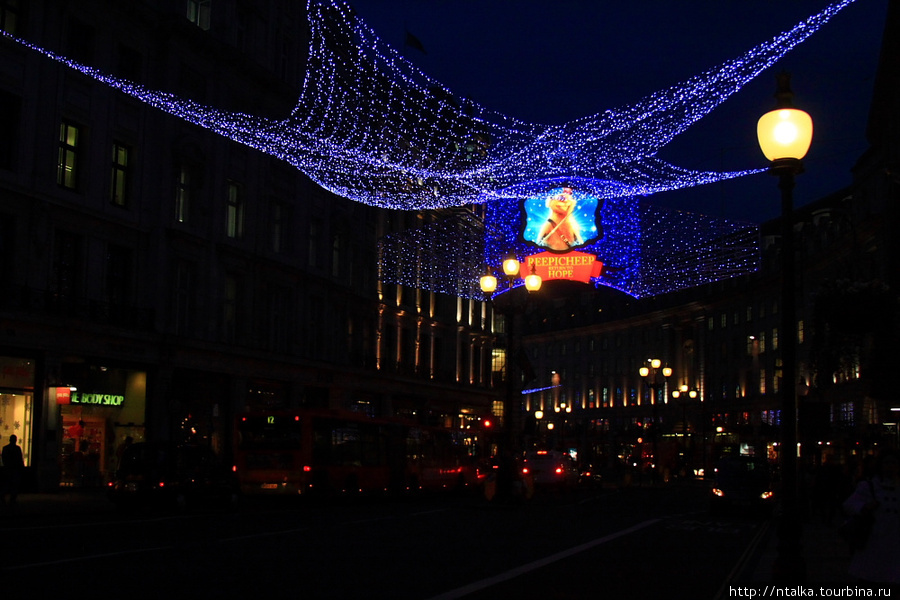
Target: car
(743, 483)
(551, 469)
(175, 476)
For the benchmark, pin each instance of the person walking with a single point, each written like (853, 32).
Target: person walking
(13, 465)
(879, 560)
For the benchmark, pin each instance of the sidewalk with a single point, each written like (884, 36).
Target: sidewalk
(67, 501)
(827, 557)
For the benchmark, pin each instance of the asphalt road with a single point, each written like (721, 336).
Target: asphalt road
(632, 543)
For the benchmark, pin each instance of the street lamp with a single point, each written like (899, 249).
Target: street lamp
(689, 394)
(784, 136)
(650, 375)
(509, 309)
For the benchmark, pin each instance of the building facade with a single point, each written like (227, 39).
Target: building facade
(721, 340)
(159, 278)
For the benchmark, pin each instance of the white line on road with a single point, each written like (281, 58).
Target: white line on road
(80, 558)
(513, 573)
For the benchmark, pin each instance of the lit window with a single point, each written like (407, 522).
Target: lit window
(198, 13)
(234, 218)
(9, 16)
(119, 185)
(183, 195)
(67, 163)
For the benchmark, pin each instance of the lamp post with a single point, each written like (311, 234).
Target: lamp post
(688, 394)
(488, 282)
(784, 136)
(650, 374)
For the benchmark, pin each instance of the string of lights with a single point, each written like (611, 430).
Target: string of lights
(371, 127)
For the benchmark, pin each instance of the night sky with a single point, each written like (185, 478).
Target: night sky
(551, 61)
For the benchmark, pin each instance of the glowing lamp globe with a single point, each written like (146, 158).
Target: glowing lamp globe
(533, 281)
(511, 266)
(488, 283)
(784, 133)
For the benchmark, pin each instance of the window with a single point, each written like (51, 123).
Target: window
(230, 308)
(67, 163)
(118, 190)
(119, 263)
(10, 116)
(7, 245)
(198, 13)
(183, 302)
(183, 194)
(279, 226)
(313, 243)
(67, 264)
(337, 242)
(800, 335)
(80, 41)
(762, 381)
(9, 16)
(130, 64)
(774, 338)
(234, 217)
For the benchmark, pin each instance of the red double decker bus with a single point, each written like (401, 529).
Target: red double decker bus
(329, 452)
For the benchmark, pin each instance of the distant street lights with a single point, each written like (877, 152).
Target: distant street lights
(784, 136)
(510, 309)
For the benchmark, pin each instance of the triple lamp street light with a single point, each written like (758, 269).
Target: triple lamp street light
(651, 374)
(511, 267)
(533, 281)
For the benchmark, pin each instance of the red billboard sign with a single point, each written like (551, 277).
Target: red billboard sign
(574, 266)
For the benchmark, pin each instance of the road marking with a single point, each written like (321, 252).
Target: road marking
(744, 560)
(80, 558)
(522, 570)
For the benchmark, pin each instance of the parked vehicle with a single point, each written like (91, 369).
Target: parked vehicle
(170, 475)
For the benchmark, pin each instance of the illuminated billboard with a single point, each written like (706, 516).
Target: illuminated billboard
(562, 219)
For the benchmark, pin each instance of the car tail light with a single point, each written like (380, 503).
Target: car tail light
(525, 470)
(234, 468)
(307, 468)
(559, 470)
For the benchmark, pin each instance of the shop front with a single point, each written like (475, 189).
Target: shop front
(101, 410)
(17, 403)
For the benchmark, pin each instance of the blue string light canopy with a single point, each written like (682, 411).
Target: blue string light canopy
(371, 127)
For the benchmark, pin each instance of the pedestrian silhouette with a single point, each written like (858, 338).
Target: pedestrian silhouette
(13, 465)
